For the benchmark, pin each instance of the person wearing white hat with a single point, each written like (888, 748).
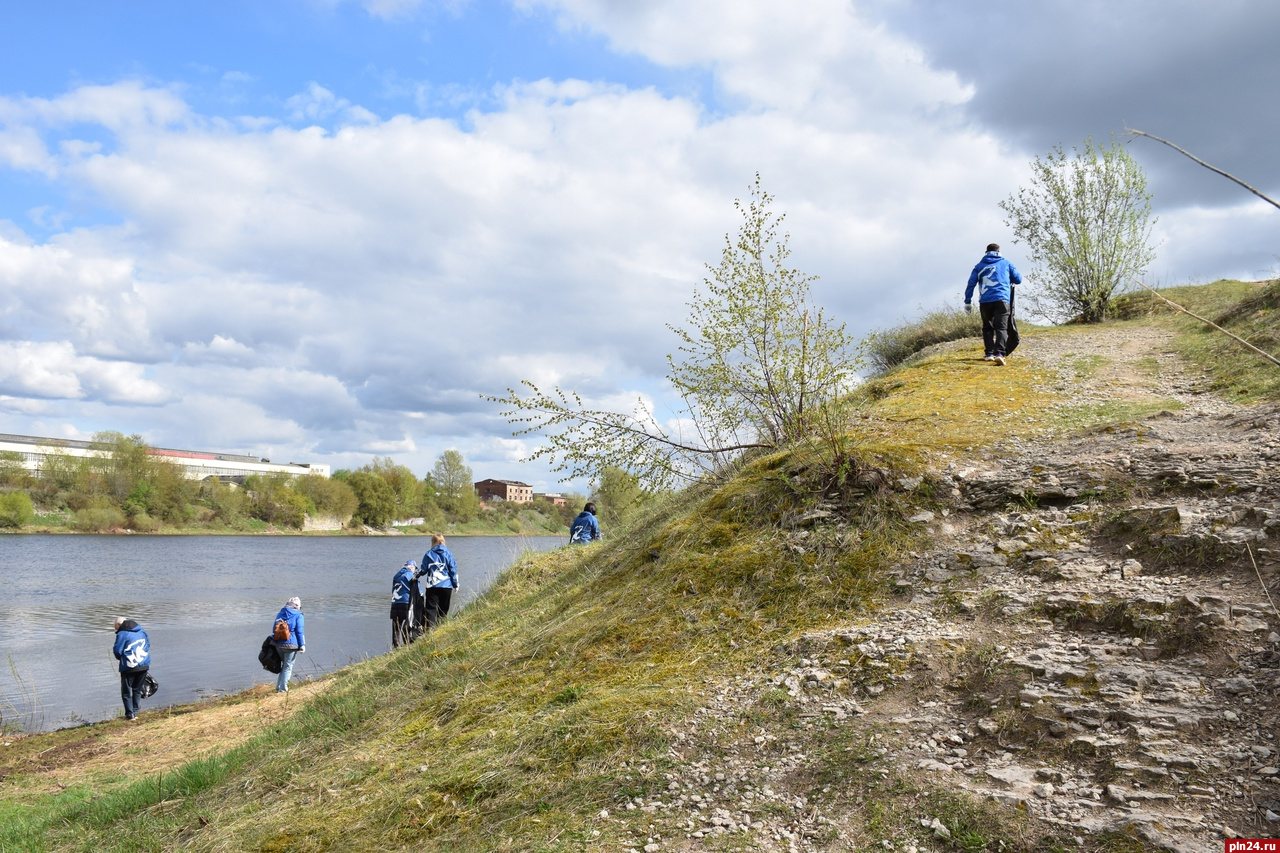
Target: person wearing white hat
(289, 638)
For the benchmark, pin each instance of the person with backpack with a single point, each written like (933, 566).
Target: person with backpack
(994, 277)
(439, 575)
(133, 649)
(585, 528)
(289, 640)
(402, 586)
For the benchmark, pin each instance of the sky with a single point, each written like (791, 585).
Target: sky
(321, 230)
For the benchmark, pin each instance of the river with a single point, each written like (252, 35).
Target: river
(207, 602)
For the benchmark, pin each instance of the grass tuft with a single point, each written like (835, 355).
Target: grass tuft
(892, 347)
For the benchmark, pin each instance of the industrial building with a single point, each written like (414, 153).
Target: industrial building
(32, 452)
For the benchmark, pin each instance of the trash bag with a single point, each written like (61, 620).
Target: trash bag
(269, 656)
(149, 686)
(1014, 338)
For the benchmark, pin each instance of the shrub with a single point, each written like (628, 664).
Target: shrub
(16, 510)
(97, 519)
(888, 349)
(144, 523)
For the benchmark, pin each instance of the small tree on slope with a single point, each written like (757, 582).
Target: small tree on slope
(1086, 219)
(757, 366)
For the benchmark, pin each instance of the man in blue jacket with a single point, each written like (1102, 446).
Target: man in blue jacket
(585, 528)
(133, 649)
(994, 277)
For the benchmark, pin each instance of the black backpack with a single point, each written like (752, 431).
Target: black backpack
(269, 656)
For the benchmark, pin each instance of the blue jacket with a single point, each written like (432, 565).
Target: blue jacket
(402, 583)
(294, 618)
(132, 648)
(993, 275)
(439, 568)
(584, 529)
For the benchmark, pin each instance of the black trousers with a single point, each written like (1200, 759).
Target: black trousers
(399, 625)
(131, 691)
(437, 603)
(995, 327)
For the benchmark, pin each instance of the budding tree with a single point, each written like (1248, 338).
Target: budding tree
(1086, 219)
(755, 366)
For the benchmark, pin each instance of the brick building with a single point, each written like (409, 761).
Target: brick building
(504, 490)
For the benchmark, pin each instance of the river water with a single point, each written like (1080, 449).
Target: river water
(207, 602)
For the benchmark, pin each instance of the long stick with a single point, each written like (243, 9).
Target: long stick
(1211, 168)
(1268, 356)
(1257, 572)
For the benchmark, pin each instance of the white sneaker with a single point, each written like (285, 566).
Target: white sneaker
(988, 358)
(999, 360)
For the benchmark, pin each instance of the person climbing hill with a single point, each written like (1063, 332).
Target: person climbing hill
(994, 278)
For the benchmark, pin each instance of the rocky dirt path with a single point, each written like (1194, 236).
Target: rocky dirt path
(1089, 639)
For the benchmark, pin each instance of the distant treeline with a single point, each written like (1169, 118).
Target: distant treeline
(122, 486)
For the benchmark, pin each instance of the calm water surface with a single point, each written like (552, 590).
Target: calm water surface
(207, 602)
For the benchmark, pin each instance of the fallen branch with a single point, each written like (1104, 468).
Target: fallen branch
(1268, 356)
(1211, 168)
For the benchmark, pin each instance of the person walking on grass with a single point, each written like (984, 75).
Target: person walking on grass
(439, 579)
(289, 638)
(994, 277)
(133, 649)
(585, 528)
(401, 596)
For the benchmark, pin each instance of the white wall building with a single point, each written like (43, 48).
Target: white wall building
(197, 464)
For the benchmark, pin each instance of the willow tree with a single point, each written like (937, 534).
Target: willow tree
(757, 366)
(1086, 220)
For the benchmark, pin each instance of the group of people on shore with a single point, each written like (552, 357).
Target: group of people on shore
(420, 595)
(420, 598)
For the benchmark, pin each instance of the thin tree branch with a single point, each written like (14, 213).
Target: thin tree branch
(1227, 175)
(588, 417)
(1268, 356)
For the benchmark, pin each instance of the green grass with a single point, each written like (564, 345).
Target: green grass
(1247, 309)
(889, 348)
(554, 694)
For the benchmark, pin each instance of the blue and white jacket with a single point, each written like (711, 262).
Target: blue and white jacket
(402, 583)
(439, 569)
(584, 529)
(294, 618)
(132, 648)
(993, 277)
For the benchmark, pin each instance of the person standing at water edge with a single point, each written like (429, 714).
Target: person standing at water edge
(994, 277)
(290, 641)
(133, 649)
(585, 528)
(439, 580)
(401, 596)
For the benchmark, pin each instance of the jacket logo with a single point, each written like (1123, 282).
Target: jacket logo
(135, 653)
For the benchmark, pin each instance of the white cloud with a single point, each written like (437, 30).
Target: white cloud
(388, 9)
(353, 286)
(317, 104)
(818, 59)
(55, 371)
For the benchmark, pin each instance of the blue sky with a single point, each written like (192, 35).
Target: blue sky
(320, 231)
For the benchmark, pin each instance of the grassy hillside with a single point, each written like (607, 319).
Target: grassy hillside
(569, 689)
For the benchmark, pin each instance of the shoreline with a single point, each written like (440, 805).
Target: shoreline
(62, 531)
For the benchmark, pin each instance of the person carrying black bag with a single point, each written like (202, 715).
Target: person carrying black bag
(994, 278)
(133, 649)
